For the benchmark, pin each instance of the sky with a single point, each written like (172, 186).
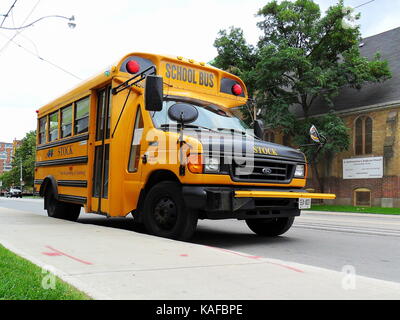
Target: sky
(49, 58)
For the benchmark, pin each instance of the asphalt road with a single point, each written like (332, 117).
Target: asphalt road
(368, 243)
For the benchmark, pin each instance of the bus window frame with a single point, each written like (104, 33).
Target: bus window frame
(71, 105)
(57, 112)
(138, 146)
(75, 119)
(45, 130)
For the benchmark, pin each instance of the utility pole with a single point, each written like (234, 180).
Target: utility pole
(21, 175)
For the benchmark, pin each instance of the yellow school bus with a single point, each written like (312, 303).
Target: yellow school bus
(155, 136)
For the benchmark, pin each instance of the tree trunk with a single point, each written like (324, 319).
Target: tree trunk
(316, 177)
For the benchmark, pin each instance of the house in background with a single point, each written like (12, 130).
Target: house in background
(368, 174)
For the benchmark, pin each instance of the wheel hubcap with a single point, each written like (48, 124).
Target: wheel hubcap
(165, 213)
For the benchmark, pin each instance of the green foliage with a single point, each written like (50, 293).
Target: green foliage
(235, 55)
(330, 126)
(26, 153)
(9, 178)
(302, 57)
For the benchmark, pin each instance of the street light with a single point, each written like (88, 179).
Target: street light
(70, 24)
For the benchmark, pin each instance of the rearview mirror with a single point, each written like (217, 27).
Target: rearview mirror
(183, 113)
(153, 96)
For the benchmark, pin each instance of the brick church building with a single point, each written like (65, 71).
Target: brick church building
(368, 174)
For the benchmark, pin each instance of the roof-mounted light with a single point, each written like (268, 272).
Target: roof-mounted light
(133, 66)
(237, 90)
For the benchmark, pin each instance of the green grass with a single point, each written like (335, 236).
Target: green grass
(22, 280)
(31, 197)
(390, 211)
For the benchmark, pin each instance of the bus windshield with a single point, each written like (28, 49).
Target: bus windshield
(210, 116)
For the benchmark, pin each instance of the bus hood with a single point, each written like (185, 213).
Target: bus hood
(245, 145)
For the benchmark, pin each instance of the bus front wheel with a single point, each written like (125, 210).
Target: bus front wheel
(165, 213)
(270, 227)
(61, 210)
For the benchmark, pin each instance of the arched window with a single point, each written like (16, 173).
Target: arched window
(363, 135)
(269, 136)
(362, 197)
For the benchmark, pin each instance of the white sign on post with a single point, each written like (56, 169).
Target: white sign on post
(363, 168)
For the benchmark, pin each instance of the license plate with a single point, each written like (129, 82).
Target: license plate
(304, 203)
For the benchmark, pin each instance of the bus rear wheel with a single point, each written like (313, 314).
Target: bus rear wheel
(61, 210)
(165, 213)
(270, 227)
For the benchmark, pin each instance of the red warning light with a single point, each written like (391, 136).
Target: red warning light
(132, 66)
(237, 89)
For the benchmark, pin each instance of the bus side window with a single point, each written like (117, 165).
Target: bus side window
(42, 130)
(81, 116)
(53, 126)
(66, 122)
(136, 138)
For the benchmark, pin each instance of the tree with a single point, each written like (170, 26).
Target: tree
(25, 153)
(304, 57)
(9, 179)
(301, 59)
(238, 57)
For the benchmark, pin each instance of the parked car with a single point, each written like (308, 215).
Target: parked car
(14, 193)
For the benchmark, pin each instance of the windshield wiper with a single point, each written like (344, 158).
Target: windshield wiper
(193, 126)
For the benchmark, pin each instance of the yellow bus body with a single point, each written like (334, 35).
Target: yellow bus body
(68, 163)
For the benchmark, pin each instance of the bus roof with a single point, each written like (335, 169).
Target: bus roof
(181, 77)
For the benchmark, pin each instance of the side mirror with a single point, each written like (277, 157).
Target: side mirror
(258, 128)
(315, 135)
(183, 113)
(153, 95)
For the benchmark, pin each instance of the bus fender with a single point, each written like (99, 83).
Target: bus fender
(49, 181)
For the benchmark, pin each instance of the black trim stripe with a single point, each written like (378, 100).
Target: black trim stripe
(74, 199)
(38, 182)
(72, 183)
(63, 142)
(59, 162)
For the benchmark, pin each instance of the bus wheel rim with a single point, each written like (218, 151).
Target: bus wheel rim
(165, 213)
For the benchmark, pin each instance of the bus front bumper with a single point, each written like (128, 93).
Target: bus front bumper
(221, 202)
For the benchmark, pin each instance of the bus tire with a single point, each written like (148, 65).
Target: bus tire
(165, 213)
(60, 210)
(270, 227)
(72, 211)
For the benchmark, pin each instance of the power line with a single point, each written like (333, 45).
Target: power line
(364, 4)
(36, 54)
(9, 10)
(43, 59)
(19, 31)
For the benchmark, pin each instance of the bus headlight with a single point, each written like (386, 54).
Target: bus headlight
(300, 171)
(211, 165)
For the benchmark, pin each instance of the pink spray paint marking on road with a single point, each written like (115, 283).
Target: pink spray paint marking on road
(52, 254)
(236, 253)
(258, 257)
(56, 252)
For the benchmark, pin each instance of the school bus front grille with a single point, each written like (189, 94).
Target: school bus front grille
(263, 170)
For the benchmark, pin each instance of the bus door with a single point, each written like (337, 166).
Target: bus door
(100, 203)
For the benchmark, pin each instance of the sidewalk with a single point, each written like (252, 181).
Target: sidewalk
(109, 263)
